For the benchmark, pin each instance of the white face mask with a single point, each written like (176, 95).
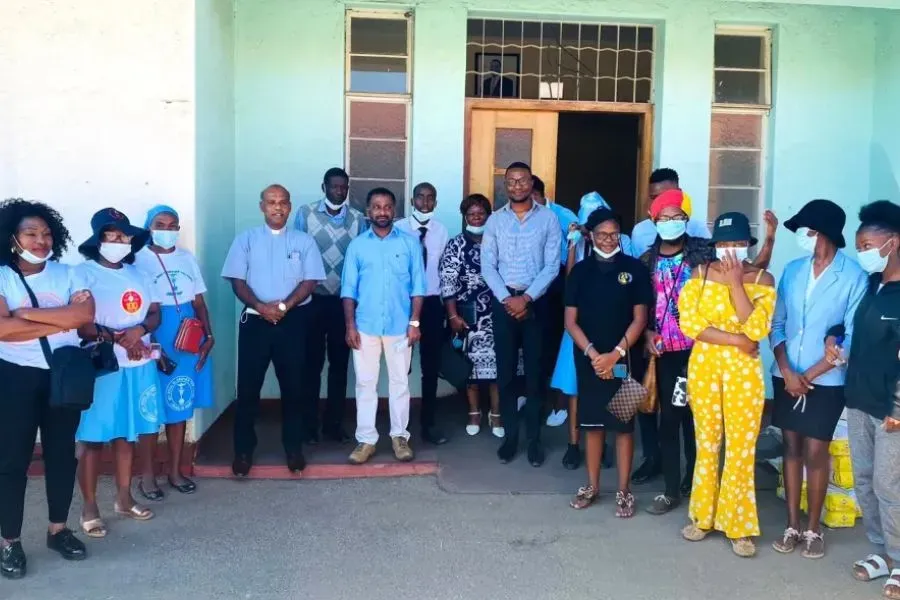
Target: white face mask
(606, 255)
(114, 252)
(164, 238)
(421, 217)
(806, 242)
(872, 261)
(739, 253)
(334, 206)
(475, 229)
(30, 257)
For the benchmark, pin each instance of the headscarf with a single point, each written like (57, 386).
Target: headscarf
(589, 203)
(676, 198)
(158, 210)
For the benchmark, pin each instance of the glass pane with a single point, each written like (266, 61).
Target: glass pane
(377, 120)
(642, 91)
(500, 199)
(645, 38)
(512, 145)
(377, 159)
(625, 90)
(734, 167)
(739, 51)
(360, 188)
(378, 36)
(740, 87)
(645, 64)
(474, 30)
(590, 35)
(379, 75)
(742, 201)
(736, 131)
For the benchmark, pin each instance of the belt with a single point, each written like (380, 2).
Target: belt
(515, 292)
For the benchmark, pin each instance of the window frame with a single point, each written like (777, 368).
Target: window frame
(765, 33)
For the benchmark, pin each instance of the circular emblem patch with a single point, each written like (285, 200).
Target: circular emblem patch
(624, 278)
(132, 302)
(180, 393)
(148, 404)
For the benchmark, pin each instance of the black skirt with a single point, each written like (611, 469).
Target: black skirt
(594, 395)
(817, 419)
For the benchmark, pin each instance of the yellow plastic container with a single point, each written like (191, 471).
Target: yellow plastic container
(842, 479)
(838, 519)
(839, 447)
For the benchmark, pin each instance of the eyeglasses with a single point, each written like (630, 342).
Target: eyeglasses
(607, 237)
(521, 182)
(679, 219)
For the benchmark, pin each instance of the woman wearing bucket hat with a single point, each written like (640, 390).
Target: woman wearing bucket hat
(726, 308)
(819, 290)
(127, 402)
(175, 274)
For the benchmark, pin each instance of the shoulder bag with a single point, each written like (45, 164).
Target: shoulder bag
(190, 333)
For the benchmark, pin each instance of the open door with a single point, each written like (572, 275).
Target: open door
(501, 137)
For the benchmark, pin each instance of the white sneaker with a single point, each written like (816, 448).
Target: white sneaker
(522, 400)
(557, 418)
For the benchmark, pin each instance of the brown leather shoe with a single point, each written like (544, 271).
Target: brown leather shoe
(361, 454)
(402, 451)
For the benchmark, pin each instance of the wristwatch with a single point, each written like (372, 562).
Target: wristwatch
(282, 307)
(414, 324)
(621, 351)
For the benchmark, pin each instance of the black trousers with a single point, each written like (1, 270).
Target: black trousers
(434, 334)
(284, 345)
(527, 334)
(25, 409)
(327, 333)
(669, 367)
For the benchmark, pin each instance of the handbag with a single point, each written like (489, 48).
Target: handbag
(191, 333)
(651, 404)
(455, 367)
(72, 372)
(624, 405)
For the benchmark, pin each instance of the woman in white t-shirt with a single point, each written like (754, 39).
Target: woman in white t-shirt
(175, 275)
(32, 237)
(127, 403)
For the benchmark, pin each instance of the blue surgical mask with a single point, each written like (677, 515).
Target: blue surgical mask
(872, 261)
(574, 236)
(164, 238)
(671, 230)
(806, 242)
(475, 229)
(421, 217)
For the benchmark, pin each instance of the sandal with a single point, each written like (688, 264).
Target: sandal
(789, 541)
(496, 425)
(153, 495)
(188, 487)
(692, 533)
(870, 568)
(94, 528)
(474, 426)
(743, 547)
(814, 545)
(586, 496)
(892, 585)
(136, 512)
(624, 504)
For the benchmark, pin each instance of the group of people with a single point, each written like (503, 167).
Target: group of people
(534, 295)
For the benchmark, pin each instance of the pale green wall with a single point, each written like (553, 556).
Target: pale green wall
(885, 159)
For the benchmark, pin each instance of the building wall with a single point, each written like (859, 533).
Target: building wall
(885, 156)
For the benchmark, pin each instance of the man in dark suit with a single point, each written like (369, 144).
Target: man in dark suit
(494, 85)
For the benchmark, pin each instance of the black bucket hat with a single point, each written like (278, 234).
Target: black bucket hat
(823, 216)
(732, 227)
(110, 218)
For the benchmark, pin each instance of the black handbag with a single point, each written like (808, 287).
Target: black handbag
(72, 373)
(455, 368)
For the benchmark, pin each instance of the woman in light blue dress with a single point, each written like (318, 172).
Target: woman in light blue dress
(175, 275)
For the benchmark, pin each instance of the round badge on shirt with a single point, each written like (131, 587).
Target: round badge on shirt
(132, 302)
(624, 278)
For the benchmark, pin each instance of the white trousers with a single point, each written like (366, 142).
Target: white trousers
(367, 364)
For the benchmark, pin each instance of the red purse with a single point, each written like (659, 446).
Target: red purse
(190, 333)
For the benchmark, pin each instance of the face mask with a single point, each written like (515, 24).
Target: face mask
(574, 236)
(420, 216)
(606, 255)
(113, 252)
(475, 229)
(671, 230)
(805, 242)
(334, 206)
(872, 261)
(739, 253)
(164, 238)
(30, 257)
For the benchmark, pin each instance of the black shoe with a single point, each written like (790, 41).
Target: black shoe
(572, 457)
(336, 434)
(68, 546)
(296, 462)
(434, 436)
(508, 449)
(535, 453)
(663, 504)
(686, 485)
(13, 561)
(241, 465)
(649, 469)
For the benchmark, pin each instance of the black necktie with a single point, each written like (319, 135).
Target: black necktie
(422, 232)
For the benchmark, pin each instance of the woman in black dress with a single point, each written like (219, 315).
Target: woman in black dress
(607, 296)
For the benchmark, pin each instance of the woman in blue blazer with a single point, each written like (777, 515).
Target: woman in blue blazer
(816, 292)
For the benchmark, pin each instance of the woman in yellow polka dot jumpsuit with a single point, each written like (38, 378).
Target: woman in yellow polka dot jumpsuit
(727, 308)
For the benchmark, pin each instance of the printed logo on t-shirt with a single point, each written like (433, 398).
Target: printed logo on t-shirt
(148, 405)
(624, 278)
(180, 393)
(132, 302)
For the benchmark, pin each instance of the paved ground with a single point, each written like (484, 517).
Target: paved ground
(409, 538)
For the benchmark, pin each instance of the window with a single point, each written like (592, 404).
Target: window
(550, 60)
(377, 93)
(740, 113)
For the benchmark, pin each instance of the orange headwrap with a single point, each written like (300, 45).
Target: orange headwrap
(675, 198)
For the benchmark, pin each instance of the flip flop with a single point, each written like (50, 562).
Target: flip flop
(94, 528)
(136, 512)
(892, 582)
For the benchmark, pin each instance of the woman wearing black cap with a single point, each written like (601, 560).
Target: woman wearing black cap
(727, 308)
(815, 293)
(127, 402)
(607, 296)
(873, 393)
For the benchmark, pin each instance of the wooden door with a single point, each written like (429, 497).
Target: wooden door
(501, 137)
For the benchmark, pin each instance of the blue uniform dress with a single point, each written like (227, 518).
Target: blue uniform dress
(185, 389)
(127, 403)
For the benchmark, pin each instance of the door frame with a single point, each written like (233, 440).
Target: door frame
(645, 111)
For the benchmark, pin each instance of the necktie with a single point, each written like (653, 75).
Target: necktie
(422, 232)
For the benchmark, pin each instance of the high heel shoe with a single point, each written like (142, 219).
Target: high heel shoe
(474, 428)
(496, 429)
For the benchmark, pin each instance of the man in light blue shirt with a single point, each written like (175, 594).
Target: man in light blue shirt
(382, 288)
(644, 233)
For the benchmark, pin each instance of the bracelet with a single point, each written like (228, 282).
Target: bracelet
(621, 350)
(455, 318)
(588, 349)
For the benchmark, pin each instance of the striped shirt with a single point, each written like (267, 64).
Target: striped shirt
(521, 254)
